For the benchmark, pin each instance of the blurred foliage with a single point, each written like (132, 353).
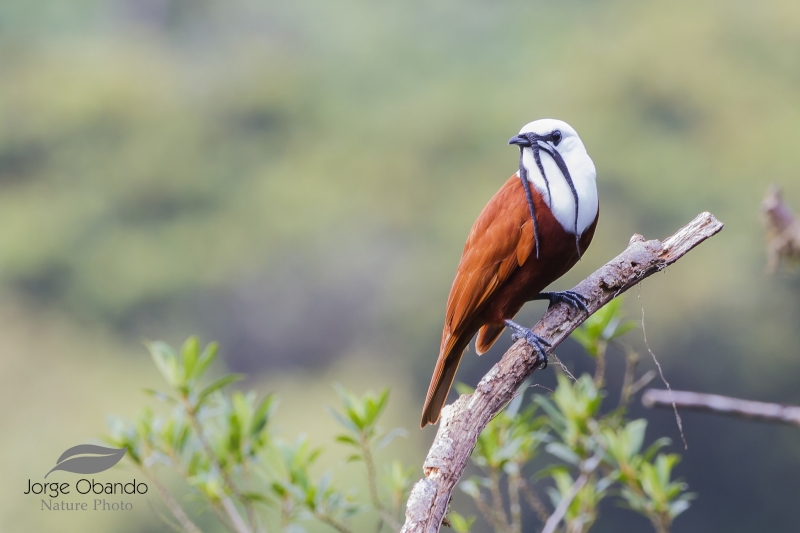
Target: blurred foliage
(601, 328)
(142, 164)
(224, 447)
(598, 455)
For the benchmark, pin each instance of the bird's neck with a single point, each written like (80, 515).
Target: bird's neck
(560, 199)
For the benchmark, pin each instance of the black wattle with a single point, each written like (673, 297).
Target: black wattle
(523, 175)
(562, 165)
(538, 158)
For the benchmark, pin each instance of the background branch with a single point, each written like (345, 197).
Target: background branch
(782, 229)
(463, 421)
(770, 412)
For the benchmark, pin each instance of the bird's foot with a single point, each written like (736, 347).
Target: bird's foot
(572, 298)
(538, 344)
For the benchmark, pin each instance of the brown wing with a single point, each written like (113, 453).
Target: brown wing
(500, 241)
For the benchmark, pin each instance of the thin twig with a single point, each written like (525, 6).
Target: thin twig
(587, 469)
(164, 517)
(176, 461)
(642, 382)
(536, 504)
(725, 405)
(514, 486)
(486, 510)
(632, 359)
(661, 373)
(463, 421)
(564, 368)
(173, 506)
(498, 506)
(335, 524)
(659, 525)
(600, 365)
(249, 507)
(236, 519)
(372, 482)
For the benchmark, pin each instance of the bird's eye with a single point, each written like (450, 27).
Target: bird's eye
(556, 137)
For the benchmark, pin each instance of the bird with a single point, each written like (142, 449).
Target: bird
(532, 231)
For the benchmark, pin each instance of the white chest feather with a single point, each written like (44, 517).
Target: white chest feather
(561, 199)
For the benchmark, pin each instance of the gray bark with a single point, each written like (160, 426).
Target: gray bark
(714, 403)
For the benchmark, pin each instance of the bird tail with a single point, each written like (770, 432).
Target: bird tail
(487, 336)
(442, 379)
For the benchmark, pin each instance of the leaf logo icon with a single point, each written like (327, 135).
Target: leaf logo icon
(93, 459)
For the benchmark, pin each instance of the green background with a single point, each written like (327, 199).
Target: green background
(296, 180)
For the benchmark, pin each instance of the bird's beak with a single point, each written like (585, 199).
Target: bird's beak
(519, 140)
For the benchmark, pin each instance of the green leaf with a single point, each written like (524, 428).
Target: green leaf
(653, 449)
(217, 385)
(262, 415)
(459, 523)
(463, 388)
(635, 431)
(624, 328)
(166, 362)
(160, 396)
(603, 326)
(605, 483)
(551, 471)
(204, 361)
(347, 439)
(679, 506)
(376, 408)
(389, 437)
(552, 412)
(346, 422)
(563, 452)
(345, 397)
(278, 489)
(256, 497)
(189, 353)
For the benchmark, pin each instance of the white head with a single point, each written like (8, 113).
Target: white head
(549, 135)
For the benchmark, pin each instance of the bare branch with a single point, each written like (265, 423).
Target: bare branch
(372, 482)
(462, 421)
(770, 412)
(536, 504)
(782, 228)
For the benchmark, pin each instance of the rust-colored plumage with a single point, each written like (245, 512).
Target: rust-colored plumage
(499, 271)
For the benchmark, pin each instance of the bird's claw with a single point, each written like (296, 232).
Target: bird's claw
(536, 342)
(572, 298)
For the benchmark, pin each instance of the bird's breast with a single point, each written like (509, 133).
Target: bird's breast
(557, 193)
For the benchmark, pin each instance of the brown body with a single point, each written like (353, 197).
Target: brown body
(498, 273)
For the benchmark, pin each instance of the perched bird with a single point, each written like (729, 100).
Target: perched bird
(532, 231)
